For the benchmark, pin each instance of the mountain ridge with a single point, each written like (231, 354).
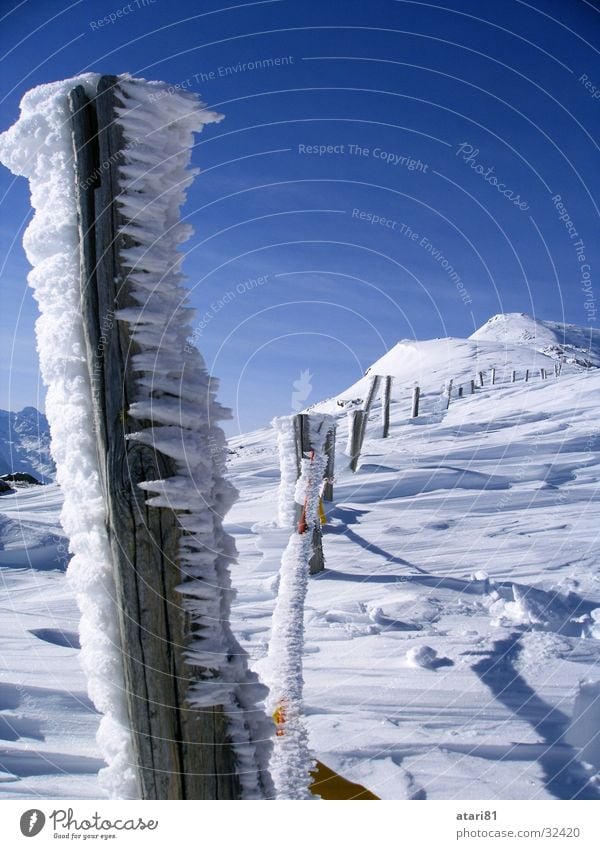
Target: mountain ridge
(25, 444)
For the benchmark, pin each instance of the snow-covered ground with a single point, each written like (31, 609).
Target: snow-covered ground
(447, 640)
(47, 722)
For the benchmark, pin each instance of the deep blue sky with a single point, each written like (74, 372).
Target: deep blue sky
(404, 79)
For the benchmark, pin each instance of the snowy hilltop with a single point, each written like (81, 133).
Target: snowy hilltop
(507, 342)
(25, 444)
(578, 345)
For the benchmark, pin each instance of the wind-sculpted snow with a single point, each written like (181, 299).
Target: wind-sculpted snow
(464, 536)
(471, 533)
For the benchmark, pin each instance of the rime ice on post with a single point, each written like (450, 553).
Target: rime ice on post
(169, 412)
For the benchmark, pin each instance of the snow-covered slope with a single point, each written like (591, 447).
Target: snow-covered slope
(47, 722)
(25, 444)
(506, 342)
(578, 345)
(458, 614)
(460, 606)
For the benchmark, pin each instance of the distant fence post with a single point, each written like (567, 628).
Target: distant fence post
(472, 386)
(526, 375)
(446, 393)
(513, 376)
(330, 467)
(385, 406)
(358, 427)
(556, 370)
(480, 376)
(543, 373)
(305, 450)
(493, 377)
(416, 395)
(371, 394)
(181, 752)
(460, 391)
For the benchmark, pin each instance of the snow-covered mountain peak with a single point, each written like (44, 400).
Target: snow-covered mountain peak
(579, 345)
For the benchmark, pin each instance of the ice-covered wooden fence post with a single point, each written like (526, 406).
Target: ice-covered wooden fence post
(189, 736)
(447, 393)
(493, 377)
(294, 438)
(291, 762)
(472, 386)
(556, 370)
(513, 376)
(414, 410)
(460, 392)
(543, 373)
(526, 375)
(480, 377)
(385, 406)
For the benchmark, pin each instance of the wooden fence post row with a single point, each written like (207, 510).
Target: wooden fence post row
(181, 752)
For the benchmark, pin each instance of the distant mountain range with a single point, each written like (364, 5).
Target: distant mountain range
(25, 444)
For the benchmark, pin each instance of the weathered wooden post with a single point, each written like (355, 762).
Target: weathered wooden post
(556, 370)
(330, 467)
(385, 406)
(181, 752)
(480, 376)
(472, 386)
(446, 393)
(513, 376)
(304, 450)
(493, 377)
(358, 427)
(416, 394)
(372, 393)
(526, 375)
(460, 391)
(543, 373)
